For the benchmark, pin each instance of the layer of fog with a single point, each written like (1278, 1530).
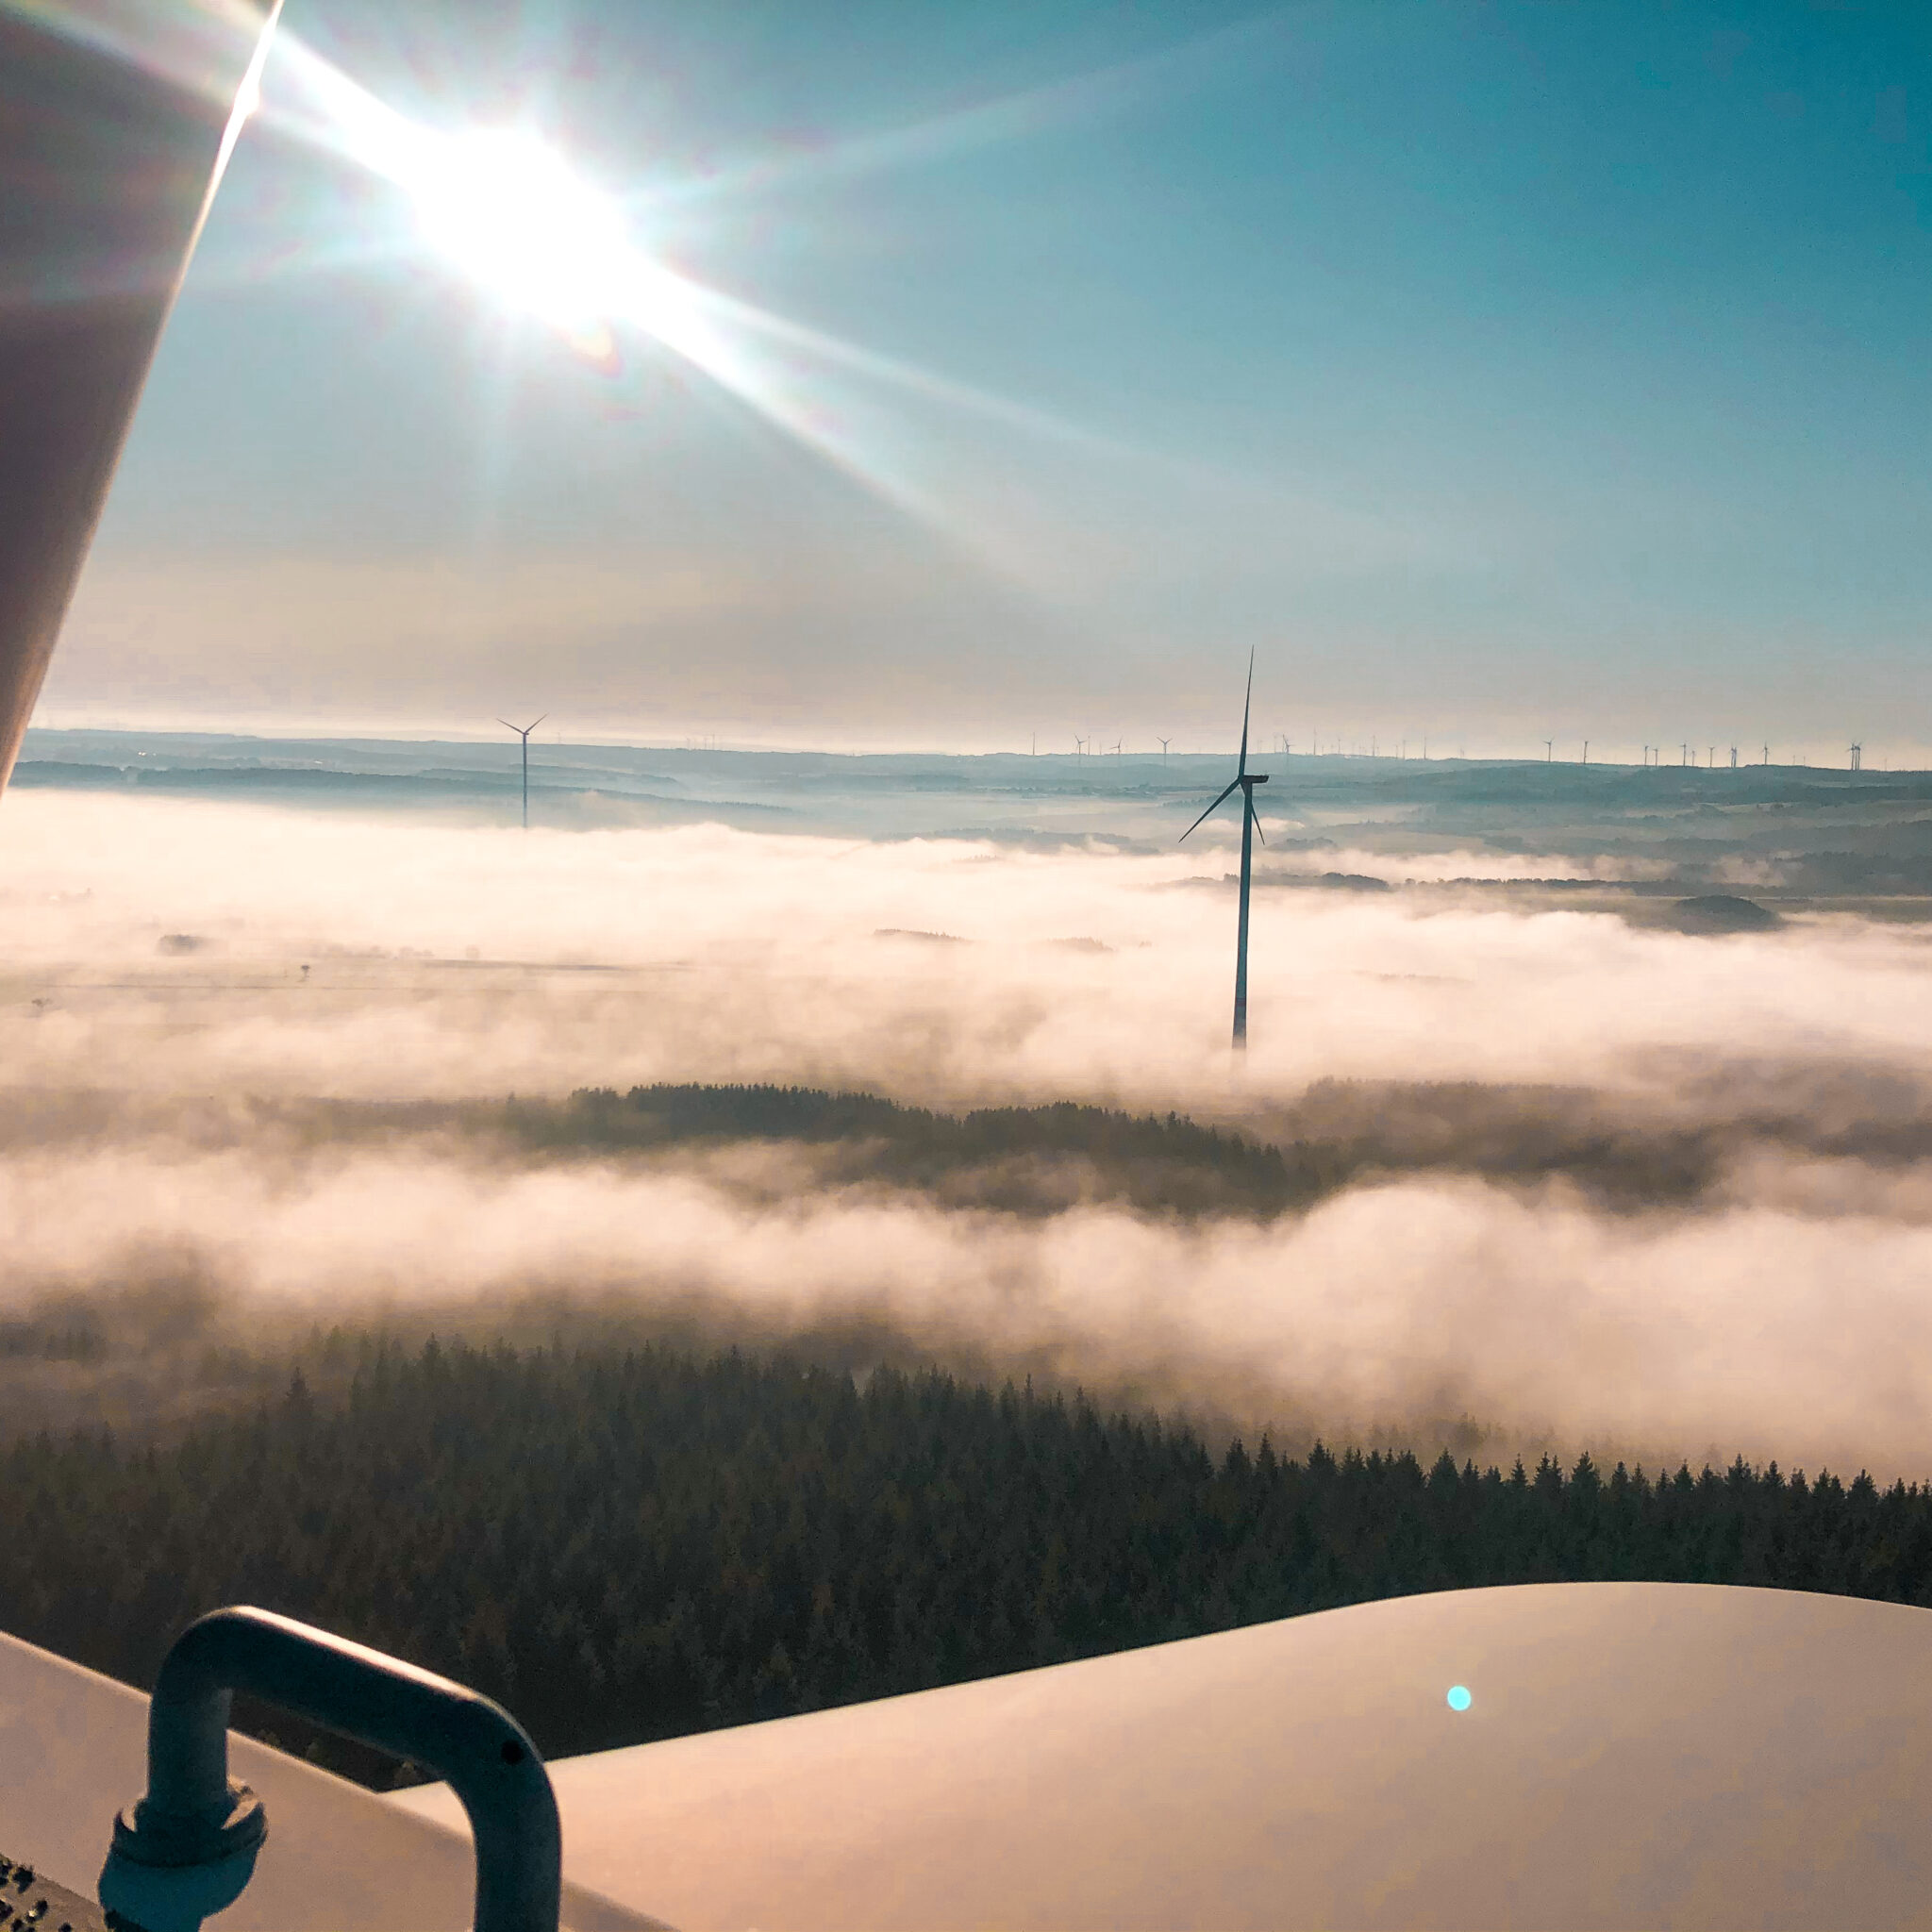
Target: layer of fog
(451, 961)
(1777, 1313)
(1439, 1310)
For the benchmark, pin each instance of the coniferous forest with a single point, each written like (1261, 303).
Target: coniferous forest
(627, 1542)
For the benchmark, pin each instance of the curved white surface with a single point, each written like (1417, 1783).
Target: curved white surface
(1633, 1754)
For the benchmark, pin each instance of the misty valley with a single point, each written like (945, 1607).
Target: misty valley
(714, 1255)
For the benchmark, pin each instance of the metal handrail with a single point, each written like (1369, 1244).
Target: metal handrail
(196, 1814)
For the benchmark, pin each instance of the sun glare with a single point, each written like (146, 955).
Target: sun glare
(510, 213)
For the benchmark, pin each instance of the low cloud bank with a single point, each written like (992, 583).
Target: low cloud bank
(1478, 1277)
(1428, 1311)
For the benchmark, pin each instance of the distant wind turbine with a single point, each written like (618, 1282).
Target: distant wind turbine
(1549, 750)
(523, 731)
(1857, 752)
(1243, 781)
(1164, 743)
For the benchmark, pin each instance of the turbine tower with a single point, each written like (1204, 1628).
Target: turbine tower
(1244, 781)
(523, 731)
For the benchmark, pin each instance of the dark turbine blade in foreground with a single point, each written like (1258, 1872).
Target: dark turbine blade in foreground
(109, 171)
(1243, 781)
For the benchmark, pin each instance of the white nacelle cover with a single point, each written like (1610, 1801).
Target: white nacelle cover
(1630, 1755)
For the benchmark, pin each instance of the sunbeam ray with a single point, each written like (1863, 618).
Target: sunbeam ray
(1117, 89)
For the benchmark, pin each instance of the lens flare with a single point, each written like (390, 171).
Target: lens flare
(1458, 1697)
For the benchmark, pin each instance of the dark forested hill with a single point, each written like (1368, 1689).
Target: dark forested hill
(626, 1543)
(1021, 1158)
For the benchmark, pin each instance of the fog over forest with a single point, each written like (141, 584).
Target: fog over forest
(1600, 1100)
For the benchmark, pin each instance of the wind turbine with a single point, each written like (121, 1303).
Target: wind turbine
(1244, 781)
(523, 731)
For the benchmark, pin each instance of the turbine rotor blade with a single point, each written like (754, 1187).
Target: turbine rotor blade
(1232, 783)
(1247, 705)
(1256, 817)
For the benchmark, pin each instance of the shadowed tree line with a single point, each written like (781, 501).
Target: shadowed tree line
(1627, 1157)
(626, 1543)
(1021, 1158)
(1042, 1159)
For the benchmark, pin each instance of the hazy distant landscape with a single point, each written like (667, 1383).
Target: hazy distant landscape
(1790, 831)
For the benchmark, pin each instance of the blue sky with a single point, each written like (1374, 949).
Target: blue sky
(1496, 372)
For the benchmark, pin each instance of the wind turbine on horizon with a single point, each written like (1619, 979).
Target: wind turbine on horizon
(1244, 781)
(523, 731)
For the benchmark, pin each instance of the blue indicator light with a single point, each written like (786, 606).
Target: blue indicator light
(1458, 1697)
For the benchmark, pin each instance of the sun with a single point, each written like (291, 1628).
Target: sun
(511, 213)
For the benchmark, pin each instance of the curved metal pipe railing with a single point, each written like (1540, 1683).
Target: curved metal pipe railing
(196, 1814)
